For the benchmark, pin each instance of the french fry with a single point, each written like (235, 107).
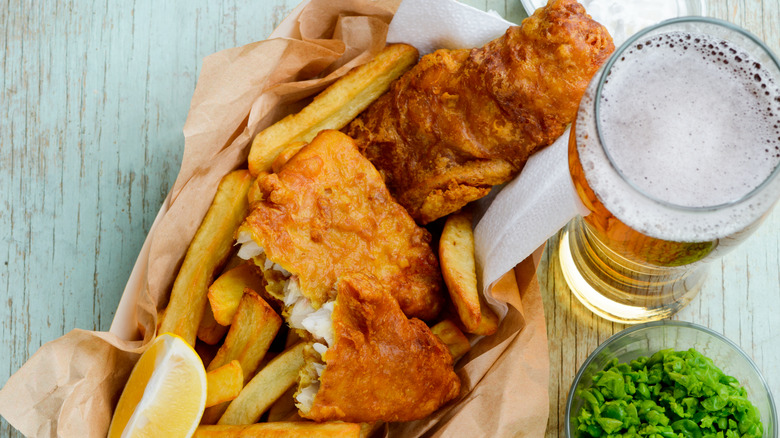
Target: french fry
(254, 327)
(336, 106)
(210, 331)
(290, 429)
(224, 383)
(208, 250)
(288, 152)
(453, 338)
(284, 408)
(458, 267)
(226, 291)
(265, 388)
(489, 323)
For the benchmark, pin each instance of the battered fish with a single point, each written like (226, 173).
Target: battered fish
(377, 364)
(327, 212)
(462, 121)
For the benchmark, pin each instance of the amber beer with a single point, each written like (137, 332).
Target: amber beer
(675, 152)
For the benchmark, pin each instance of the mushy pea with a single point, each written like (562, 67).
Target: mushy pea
(672, 394)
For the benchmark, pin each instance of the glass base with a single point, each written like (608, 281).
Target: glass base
(619, 289)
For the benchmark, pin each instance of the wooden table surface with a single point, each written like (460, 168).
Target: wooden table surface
(93, 99)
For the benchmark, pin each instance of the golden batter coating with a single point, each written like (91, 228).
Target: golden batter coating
(327, 212)
(382, 366)
(462, 121)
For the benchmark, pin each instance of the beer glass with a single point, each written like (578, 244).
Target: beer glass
(675, 152)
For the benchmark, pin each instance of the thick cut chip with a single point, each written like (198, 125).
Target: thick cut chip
(209, 249)
(449, 333)
(226, 291)
(265, 388)
(458, 265)
(381, 366)
(253, 329)
(224, 383)
(327, 212)
(210, 331)
(334, 107)
(289, 429)
(489, 323)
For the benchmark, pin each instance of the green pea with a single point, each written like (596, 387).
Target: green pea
(669, 394)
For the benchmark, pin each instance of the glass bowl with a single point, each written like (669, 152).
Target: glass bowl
(646, 339)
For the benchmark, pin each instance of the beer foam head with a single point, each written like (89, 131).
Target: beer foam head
(690, 120)
(689, 129)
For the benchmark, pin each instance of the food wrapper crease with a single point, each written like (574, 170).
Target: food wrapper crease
(70, 386)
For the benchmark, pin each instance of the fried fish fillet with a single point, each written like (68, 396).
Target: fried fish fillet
(327, 212)
(378, 365)
(462, 121)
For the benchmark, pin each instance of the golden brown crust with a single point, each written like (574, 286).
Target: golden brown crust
(328, 212)
(462, 121)
(382, 365)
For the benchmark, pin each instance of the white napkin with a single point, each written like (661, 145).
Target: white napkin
(527, 211)
(533, 206)
(443, 24)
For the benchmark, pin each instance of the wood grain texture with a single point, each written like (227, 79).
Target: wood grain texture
(93, 99)
(740, 299)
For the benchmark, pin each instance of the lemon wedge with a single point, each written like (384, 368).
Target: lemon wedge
(165, 394)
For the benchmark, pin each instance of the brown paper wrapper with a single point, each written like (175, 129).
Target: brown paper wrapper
(70, 386)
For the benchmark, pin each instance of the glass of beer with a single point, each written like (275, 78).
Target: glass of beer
(675, 152)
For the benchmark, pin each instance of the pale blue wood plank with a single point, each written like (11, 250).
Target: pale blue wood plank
(93, 97)
(741, 297)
